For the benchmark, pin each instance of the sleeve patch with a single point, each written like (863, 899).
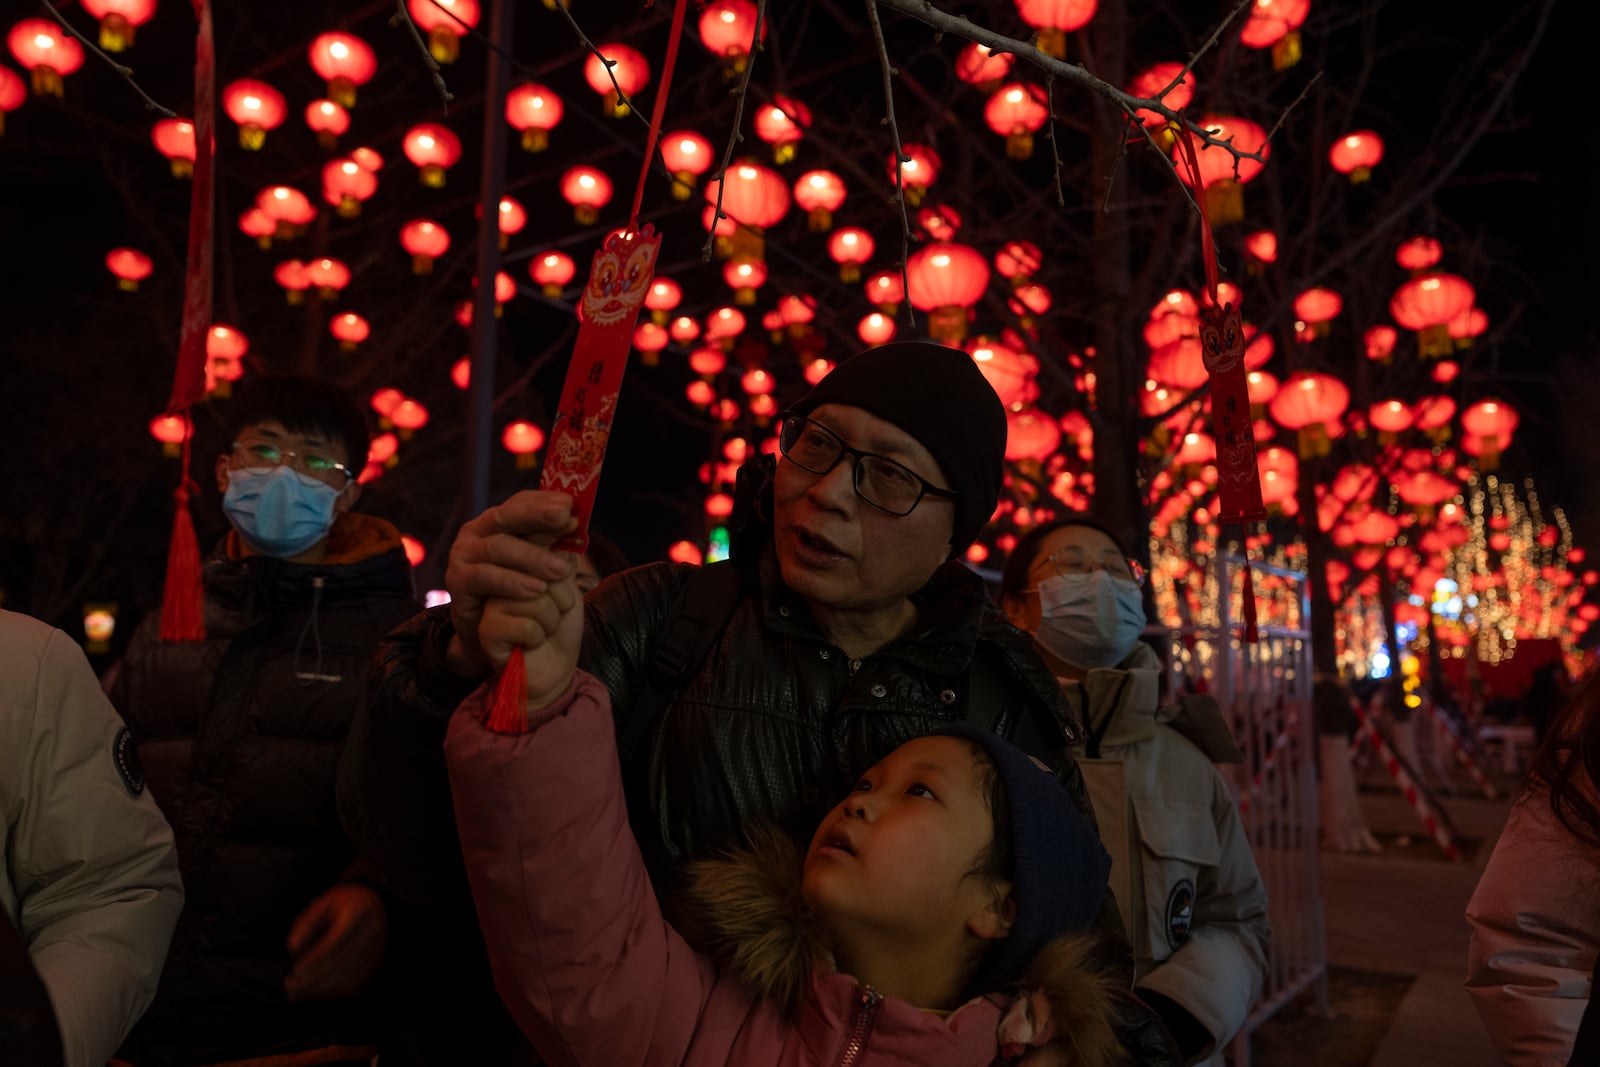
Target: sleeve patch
(125, 754)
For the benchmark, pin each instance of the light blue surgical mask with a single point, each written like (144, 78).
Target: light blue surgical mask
(278, 511)
(1089, 620)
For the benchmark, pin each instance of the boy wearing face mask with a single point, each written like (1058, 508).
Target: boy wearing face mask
(1181, 866)
(240, 738)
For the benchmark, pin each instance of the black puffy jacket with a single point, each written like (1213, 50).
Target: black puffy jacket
(772, 726)
(240, 739)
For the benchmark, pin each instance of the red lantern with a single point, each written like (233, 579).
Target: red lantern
(328, 275)
(1008, 372)
(649, 338)
(1018, 261)
(118, 20)
(708, 362)
(1311, 404)
(1390, 417)
(257, 107)
(1434, 413)
(1029, 301)
(756, 382)
(1316, 308)
(384, 401)
(505, 288)
(13, 94)
(664, 295)
(588, 190)
(433, 149)
(130, 266)
(916, 172)
(225, 350)
(978, 65)
(512, 218)
(345, 62)
(327, 120)
(259, 225)
(685, 552)
(523, 439)
(945, 280)
(1224, 187)
(727, 28)
(171, 431)
(1262, 246)
(1275, 24)
(1166, 329)
(755, 195)
(426, 240)
(1425, 489)
(1054, 19)
(1380, 341)
(289, 209)
(1261, 387)
(1489, 424)
(783, 124)
(46, 51)
(744, 277)
(683, 329)
(1419, 253)
(292, 275)
(1428, 304)
(534, 111)
(446, 22)
(1180, 364)
(1469, 325)
(1355, 154)
(850, 248)
(885, 290)
(345, 184)
(1031, 435)
(876, 329)
(1149, 84)
(1445, 371)
(174, 138)
(816, 370)
(1016, 112)
(630, 70)
(461, 372)
(408, 416)
(350, 329)
(723, 325)
(552, 271)
(687, 155)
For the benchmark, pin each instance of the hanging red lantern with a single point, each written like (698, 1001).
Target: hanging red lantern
(512, 218)
(461, 373)
(367, 159)
(46, 52)
(685, 552)
(1418, 254)
(1222, 182)
(1355, 154)
(1180, 364)
(345, 184)
(1261, 386)
(723, 325)
(288, 208)
(350, 330)
(664, 295)
(876, 329)
(408, 416)
(1177, 302)
(384, 401)
(727, 28)
(345, 62)
(816, 370)
(505, 288)
(1275, 24)
(552, 271)
(850, 247)
(1008, 371)
(292, 275)
(119, 19)
(533, 111)
(1018, 261)
(1149, 83)
(1389, 418)
(744, 277)
(1428, 304)
(225, 351)
(130, 266)
(328, 121)
(257, 107)
(687, 155)
(1380, 342)
(885, 290)
(1028, 302)
(433, 149)
(13, 94)
(426, 240)
(1054, 19)
(683, 329)
(819, 194)
(171, 431)
(1489, 425)
(523, 439)
(1434, 414)
(978, 65)
(588, 190)
(916, 172)
(445, 22)
(1031, 434)
(945, 280)
(1163, 330)
(756, 198)
(1262, 246)
(649, 338)
(630, 70)
(1316, 308)
(1311, 404)
(756, 382)
(708, 362)
(174, 138)
(1445, 370)
(1468, 326)
(797, 313)
(783, 125)
(257, 224)
(328, 275)
(1016, 112)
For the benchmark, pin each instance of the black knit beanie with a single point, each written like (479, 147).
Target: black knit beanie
(938, 396)
(1060, 867)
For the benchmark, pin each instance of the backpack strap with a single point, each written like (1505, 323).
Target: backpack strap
(694, 624)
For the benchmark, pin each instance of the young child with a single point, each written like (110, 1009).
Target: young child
(939, 916)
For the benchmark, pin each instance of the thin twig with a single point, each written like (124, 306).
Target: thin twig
(1210, 43)
(734, 136)
(595, 50)
(1133, 118)
(1055, 153)
(126, 72)
(1276, 126)
(1116, 164)
(402, 15)
(900, 159)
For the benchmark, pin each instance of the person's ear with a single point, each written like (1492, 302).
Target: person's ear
(1015, 607)
(347, 498)
(222, 474)
(996, 920)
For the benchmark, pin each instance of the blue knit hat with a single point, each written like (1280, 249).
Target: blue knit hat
(1060, 867)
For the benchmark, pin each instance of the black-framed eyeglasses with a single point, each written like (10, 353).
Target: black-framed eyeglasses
(260, 455)
(1070, 559)
(880, 481)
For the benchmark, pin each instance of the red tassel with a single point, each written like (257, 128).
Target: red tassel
(1251, 634)
(508, 712)
(182, 602)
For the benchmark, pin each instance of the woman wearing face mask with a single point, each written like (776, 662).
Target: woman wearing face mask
(1191, 894)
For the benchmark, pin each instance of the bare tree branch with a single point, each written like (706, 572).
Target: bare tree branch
(900, 158)
(402, 15)
(1276, 126)
(126, 72)
(734, 136)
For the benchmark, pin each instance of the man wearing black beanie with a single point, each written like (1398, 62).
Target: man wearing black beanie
(751, 692)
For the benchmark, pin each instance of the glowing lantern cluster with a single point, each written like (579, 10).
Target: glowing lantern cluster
(445, 22)
(523, 439)
(1275, 24)
(533, 111)
(946, 279)
(1311, 404)
(118, 20)
(687, 155)
(426, 240)
(588, 190)
(1016, 112)
(628, 71)
(1427, 304)
(783, 124)
(1054, 19)
(1355, 154)
(46, 52)
(1221, 179)
(130, 266)
(432, 149)
(257, 107)
(345, 62)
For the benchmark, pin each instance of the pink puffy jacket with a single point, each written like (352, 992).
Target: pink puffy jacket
(584, 959)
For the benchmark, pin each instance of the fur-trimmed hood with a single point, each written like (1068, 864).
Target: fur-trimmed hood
(746, 911)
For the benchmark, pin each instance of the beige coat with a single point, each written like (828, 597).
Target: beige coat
(1181, 866)
(88, 869)
(1535, 920)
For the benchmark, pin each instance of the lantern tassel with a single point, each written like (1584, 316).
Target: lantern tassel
(508, 711)
(1252, 635)
(182, 601)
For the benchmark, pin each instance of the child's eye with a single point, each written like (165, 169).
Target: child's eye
(917, 789)
(863, 786)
